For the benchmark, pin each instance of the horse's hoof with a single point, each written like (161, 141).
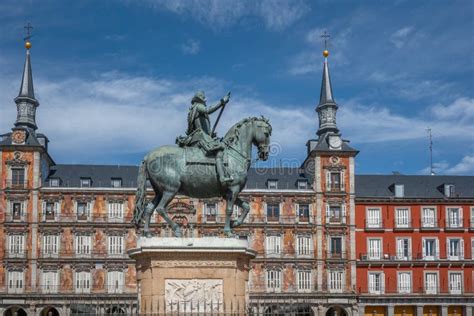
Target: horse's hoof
(228, 233)
(235, 223)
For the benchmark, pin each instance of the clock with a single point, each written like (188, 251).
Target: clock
(19, 137)
(335, 142)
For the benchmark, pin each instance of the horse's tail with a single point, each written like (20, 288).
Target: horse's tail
(140, 196)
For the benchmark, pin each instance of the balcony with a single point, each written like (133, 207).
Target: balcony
(454, 225)
(374, 225)
(336, 220)
(402, 225)
(341, 255)
(429, 225)
(16, 184)
(18, 254)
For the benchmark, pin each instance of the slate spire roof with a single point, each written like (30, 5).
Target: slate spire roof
(326, 87)
(26, 88)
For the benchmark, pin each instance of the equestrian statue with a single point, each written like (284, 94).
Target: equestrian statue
(202, 165)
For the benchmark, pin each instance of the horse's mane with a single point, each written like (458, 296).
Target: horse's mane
(233, 133)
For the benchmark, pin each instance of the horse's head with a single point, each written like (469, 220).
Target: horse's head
(261, 137)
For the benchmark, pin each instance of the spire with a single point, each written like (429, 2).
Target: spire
(327, 107)
(25, 101)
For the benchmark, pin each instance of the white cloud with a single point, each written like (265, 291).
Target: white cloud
(399, 37)
(463, 167)
(218, 14)
(191, 47)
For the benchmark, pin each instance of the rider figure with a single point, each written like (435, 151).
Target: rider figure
(199, 132)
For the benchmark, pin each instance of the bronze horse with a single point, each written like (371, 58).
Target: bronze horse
(172, 170)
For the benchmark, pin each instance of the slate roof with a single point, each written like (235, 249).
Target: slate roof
(380, 186)
(31, 140)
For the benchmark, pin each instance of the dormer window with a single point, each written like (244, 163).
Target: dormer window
(116, 183)
(86, 182)
(449, 190)
(399, 190)
(54, 183)
(272, 184)
(302, 184)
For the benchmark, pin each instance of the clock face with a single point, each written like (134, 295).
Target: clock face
(19, 137)
(335, 142)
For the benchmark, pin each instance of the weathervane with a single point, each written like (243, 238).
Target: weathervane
(28, 27)
(326, 37)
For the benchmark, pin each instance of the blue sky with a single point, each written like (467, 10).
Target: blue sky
(114, 78)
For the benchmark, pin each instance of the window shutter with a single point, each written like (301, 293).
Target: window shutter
(328, 212)
(328, 180)
(437, 251)
(344, 212)
(461, 211)
(297, 211)
(57, 209)
(448, 248)
(423, 243)
(447, 217)
(461, 249)
(43, 208)
(343, 180)
(310, 206)
(409, 249)
(399, 248)
(382, 282)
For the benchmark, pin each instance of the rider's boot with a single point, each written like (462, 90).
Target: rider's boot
(220, 169)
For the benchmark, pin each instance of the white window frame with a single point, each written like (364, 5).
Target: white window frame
(371, 254)
(237, 211)
(83, 245)
(51, 245)
(297, 211)
(16, 245)
(405, 220)
(430, 289)
(336, 281)
(400, 252)
(450, 220)
(436, 250)
(372, 288)
(115, 281)
(329, 187)
(373, 221)
(49, 281)
(330, 254)
(302, 184)
(272, 184)
(472, 217)
(273, 245)
(208, 214)
(460, 253)
(399, 190)
(427, 222)
(273, 280)
(304, 245)
(407, 287)
(22, 209)
(88, 210)
(116, 182)
(458, 287)
(82, 282)
(15, 281)
(449, 190)
(54, 182)
(56, 210)
(304, 280)
(85, 182)
(115, 245)
(115, 211)
(279, 212)
(342, 214)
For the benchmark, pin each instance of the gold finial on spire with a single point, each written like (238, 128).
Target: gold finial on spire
(28, 29)
(326, 37)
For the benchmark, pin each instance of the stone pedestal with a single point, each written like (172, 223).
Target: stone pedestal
(192, 274)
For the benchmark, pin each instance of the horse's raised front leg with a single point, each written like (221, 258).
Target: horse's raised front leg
(150, 208)
(165, 200)
(230, 198)
(246, 209)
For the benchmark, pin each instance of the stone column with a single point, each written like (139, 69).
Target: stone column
(419, 310)
(468, 310)
(444, 310)
(390, 310)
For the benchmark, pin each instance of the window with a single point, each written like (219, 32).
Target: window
(454, 217)
(304, 280)
(272, 184)
(115, 245)
(83, 210)
(302, 184)
(404, 282)
(15, 282)
(336, 281)
(303, 212)
(472, 217)
(430, 248)
(334, 183)
(455, 248)
(16, 210)
(428, 217)
(455, 282)
(86, 182)
(115, 281)
(399, 190)
(115, 211)
(431, 282)
(16, 246)
(303, 245)
(50, 245)
(273, 212)
(273, 245)
(54, 182)
(376, 282)
(49, 211)
(83, 282)
(83, 245)
(449, 190)
(375, 249)
(50, 282)
(335, 247)
(334, 213)
(374, 218)
(18, 177)
(210, 210)
(116, 183)
(237, 212)
(402, 218)
(273, 280)
(403, 248)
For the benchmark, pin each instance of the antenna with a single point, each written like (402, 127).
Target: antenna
(431, 150)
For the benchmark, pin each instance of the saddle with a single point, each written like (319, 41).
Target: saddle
(197, 156)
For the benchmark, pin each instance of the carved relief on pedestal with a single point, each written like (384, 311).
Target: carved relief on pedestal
(98, 279)
(66, 279)
(193, 293)
(67, 242)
